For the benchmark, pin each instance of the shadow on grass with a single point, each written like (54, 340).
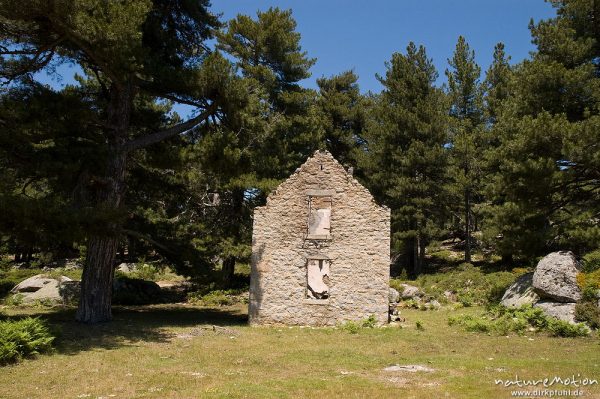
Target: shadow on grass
(130, 326)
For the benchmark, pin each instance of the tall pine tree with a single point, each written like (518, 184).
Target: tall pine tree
(406, 159)
(466, 111)
(547, 190)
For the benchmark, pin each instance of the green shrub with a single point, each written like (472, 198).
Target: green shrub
(502, 321)
(471, 285)
(218, 297)
(559, 328)
(369, 322)
(588, 312)
(591, 261)
(419, 325)
(14, 300)
(353, 327)
(589, 281)
(350, 327)
(23, 338)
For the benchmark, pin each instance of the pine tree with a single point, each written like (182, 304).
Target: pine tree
(496, 83)
(262, 150)
(466, 110)
(546, 194)
(406, 159)
(343, 113)
(133, 48)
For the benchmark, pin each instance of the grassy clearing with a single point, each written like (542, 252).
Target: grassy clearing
(163, 351)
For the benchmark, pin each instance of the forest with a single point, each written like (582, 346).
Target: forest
(503, 162)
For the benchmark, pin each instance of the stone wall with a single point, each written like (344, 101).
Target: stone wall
(356, 250)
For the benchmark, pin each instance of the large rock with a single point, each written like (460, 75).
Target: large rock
(36, 283)
(558, 310)
(48, 293)
(410, 291)
(555, 277)
(394, 295)
(42, 288)
(520, 292)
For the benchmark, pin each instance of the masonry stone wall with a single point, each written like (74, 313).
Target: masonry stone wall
(357, 250)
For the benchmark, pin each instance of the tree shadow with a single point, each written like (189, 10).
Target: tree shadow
(131, 325)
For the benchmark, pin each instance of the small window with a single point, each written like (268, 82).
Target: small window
(317, 278)
(319, 217)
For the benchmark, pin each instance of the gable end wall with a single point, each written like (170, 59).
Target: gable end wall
(359, 251)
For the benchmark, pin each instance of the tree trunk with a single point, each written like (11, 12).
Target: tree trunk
(422, 246)
(228, 271)
(236, 217)
(416, 258)
(96, 281)
(507, 259)
(467, 226)
(98, 270)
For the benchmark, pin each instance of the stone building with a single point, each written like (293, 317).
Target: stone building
(320, 250)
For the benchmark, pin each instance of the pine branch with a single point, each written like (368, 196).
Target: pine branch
(156, 137)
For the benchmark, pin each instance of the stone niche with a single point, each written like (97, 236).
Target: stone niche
(320, 250)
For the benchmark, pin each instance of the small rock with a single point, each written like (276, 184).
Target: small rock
(127, 267)
(450, 295)
(435, 304)
(410, 291)
(411, 368)
(394, 295)
(72, 264)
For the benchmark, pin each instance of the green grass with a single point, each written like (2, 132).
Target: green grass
(164, 351)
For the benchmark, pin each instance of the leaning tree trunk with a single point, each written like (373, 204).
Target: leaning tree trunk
(98, 271)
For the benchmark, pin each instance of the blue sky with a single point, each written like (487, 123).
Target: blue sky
(362, 35)
(359, 35)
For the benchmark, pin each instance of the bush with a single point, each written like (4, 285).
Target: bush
(23, 338)
(218, 297)
(591, 261)
(419, 325)
(369, 322)
(589, 281)
(350, 327)
(502, 321)
(471, 285)
(145, 271)
(353, 327)
(588, 312)
(559, 328)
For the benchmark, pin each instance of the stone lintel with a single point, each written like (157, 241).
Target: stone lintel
(310, 301)
(318, 236)
(320, 193)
